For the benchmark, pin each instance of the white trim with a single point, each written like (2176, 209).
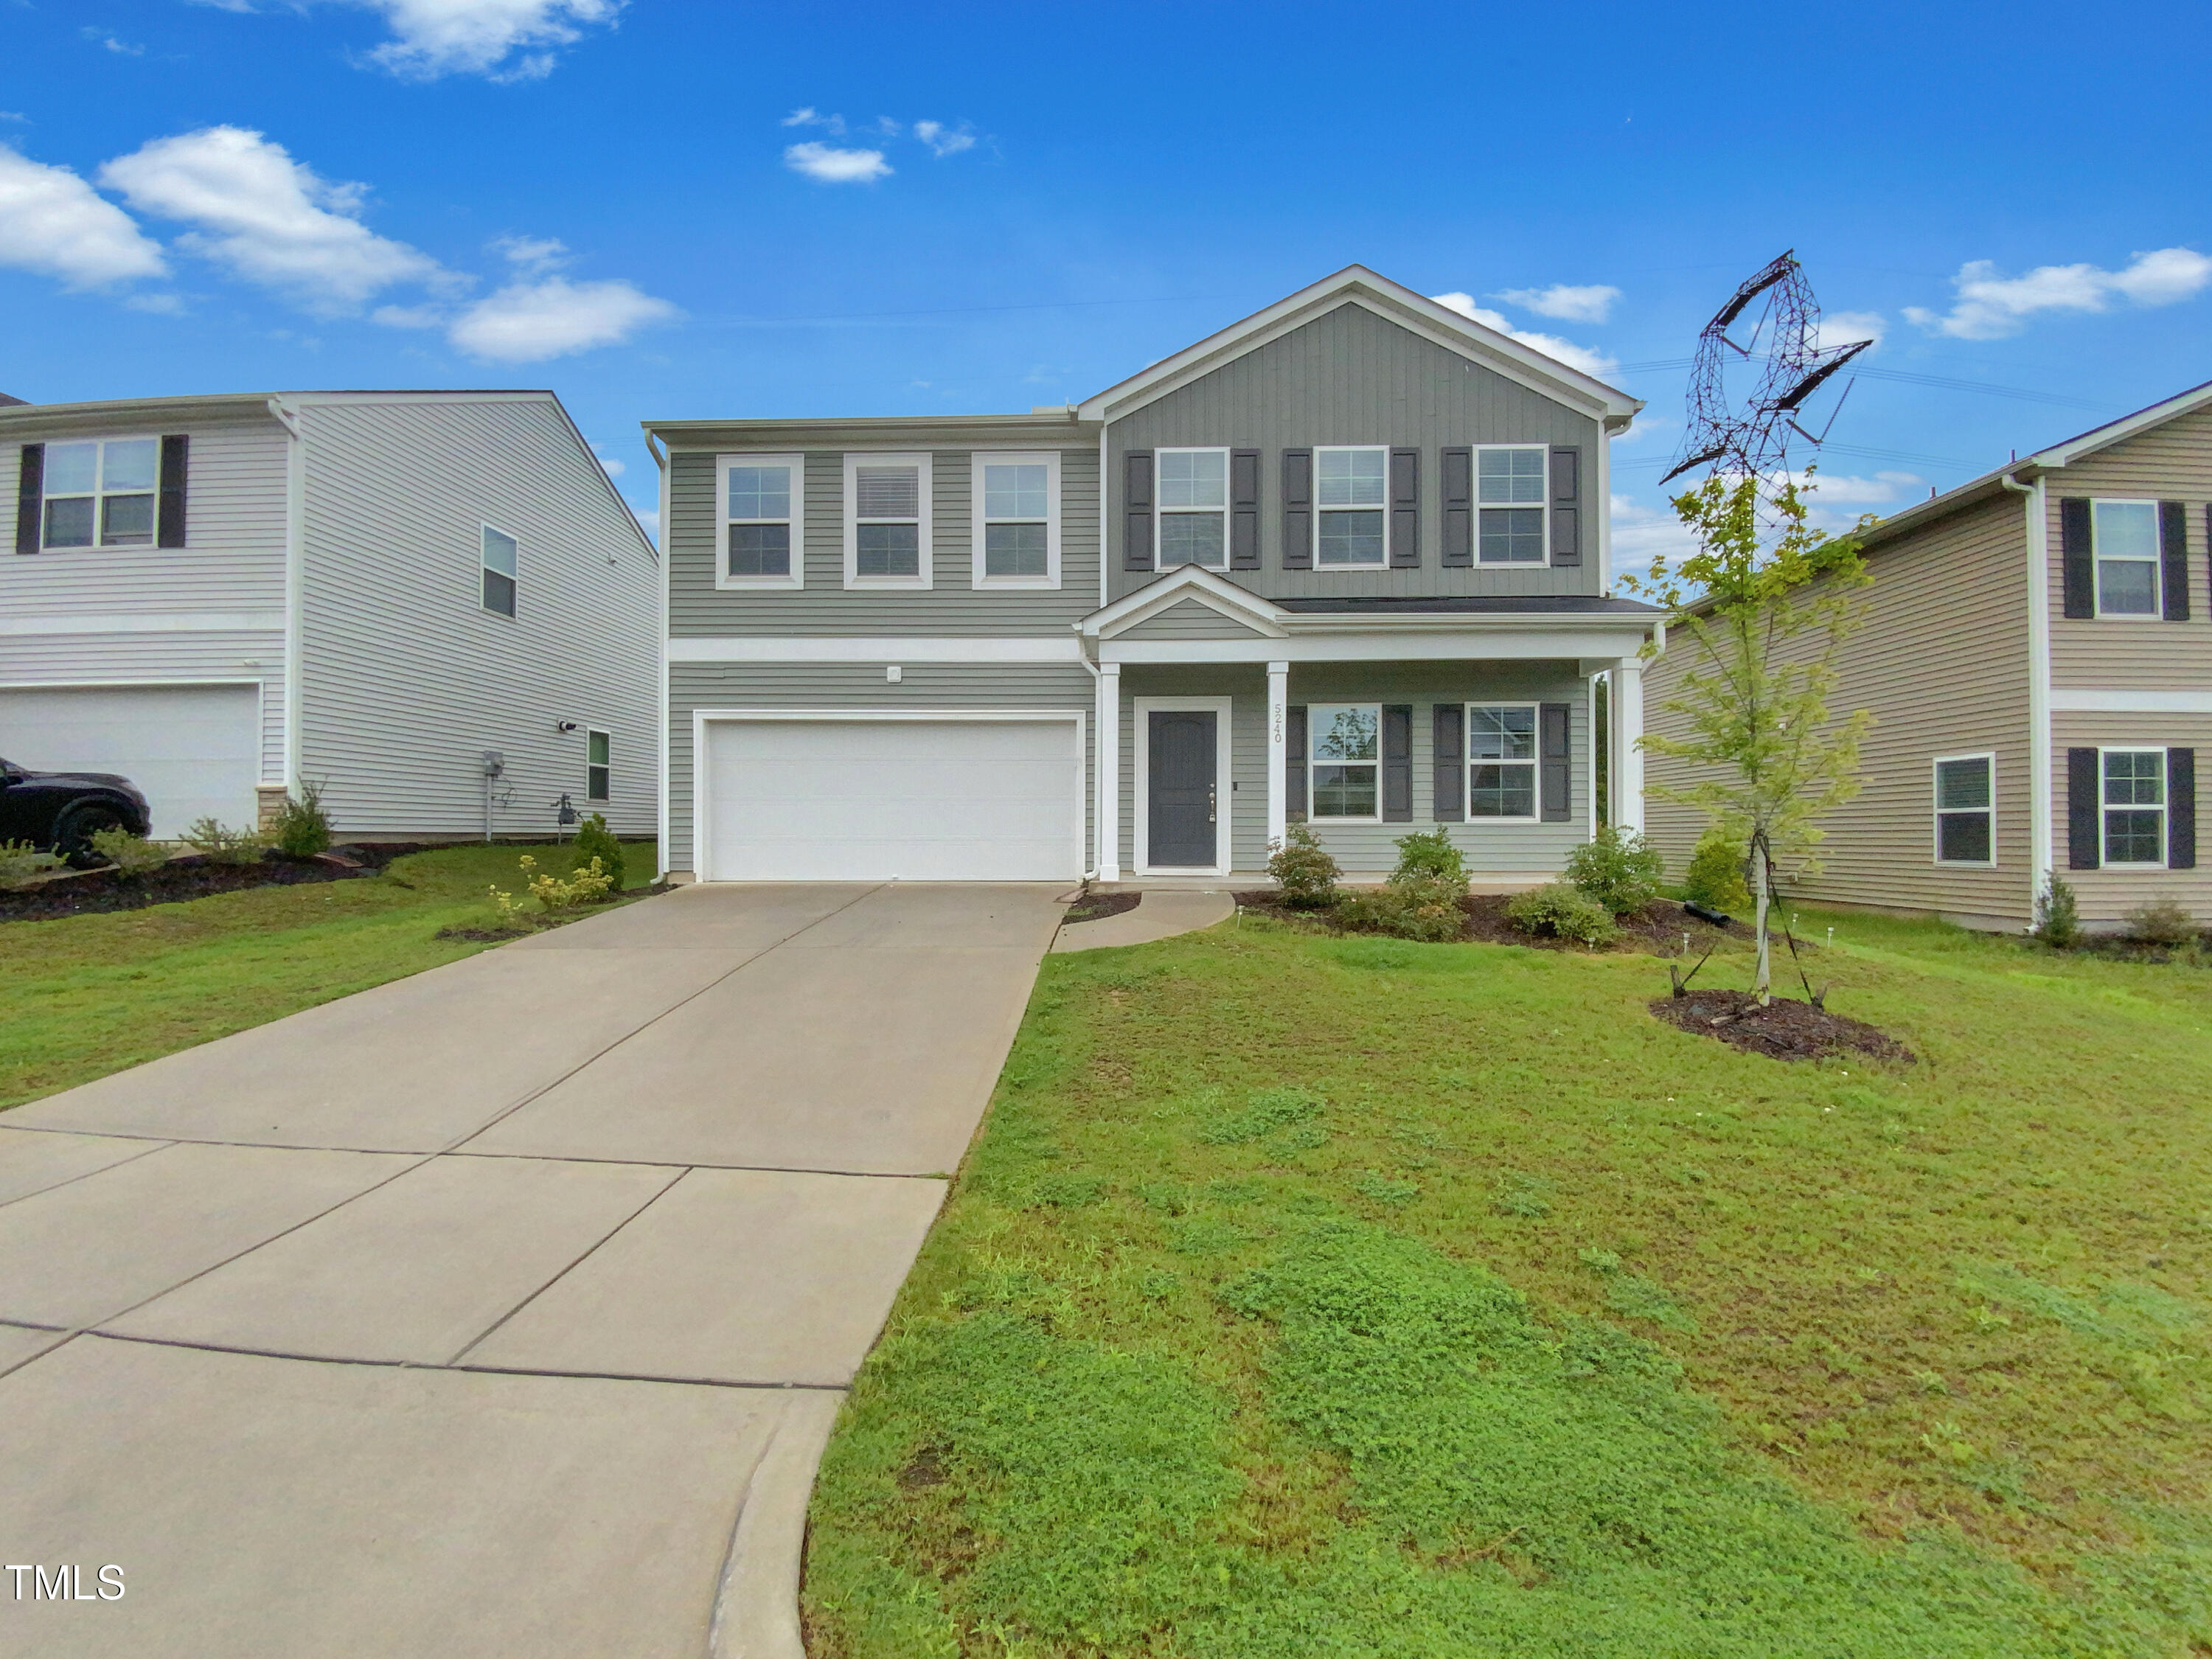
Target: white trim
(924, 486)
(589, 733)
(159, 682)
(2041, 816)
(1534, 762)
(1185, 582)
(1278, 781)
(1468, 646)
(1140, 712)
(2131, 702)
(703, 793)
(2155, 559)
(1106, 769)
(485, 530)
(1161, 511)
(1935, 811)
(1589, 749)
(1314, 817)
(1543, 505)
(873, 647)
(295, 589)
(1110, 503)
(1602, 465)
(1049, 459)
(795, 578)
(1625, 708)
(148, 622)
(2164, 809)
(99, 493)
(664, 854)
(1380, 505)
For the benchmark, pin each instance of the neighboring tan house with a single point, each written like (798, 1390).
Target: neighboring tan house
(2037, 654)
(221, 597)
(1344, 562)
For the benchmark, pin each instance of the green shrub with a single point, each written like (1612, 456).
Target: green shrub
(1559, 909)
(1620, 869)
(1428, 910)
(2057, 918)
(587, 885)
(226, 846)
(595, 840)
(1427, 857)
(2161, 921)
(302, 828)
(20, 861)
(1303, 870)
(130, 855)
(1716, 875)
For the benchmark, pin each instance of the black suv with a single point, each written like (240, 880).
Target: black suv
(61, 811)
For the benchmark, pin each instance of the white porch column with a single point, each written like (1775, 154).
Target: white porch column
(1626, 706)
(1279, 721)
(1108, 770)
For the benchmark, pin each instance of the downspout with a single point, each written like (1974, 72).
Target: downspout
(295, 585)
(2041, 838)
(1098, 768)
(652, 447)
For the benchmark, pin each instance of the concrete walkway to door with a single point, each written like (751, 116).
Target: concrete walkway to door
(503, 1310)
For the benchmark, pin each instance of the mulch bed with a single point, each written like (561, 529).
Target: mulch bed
(92, 891)
(1783, 1030)
(1098, 906)
(1656, 930)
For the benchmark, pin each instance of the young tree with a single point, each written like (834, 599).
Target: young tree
(1765, 605)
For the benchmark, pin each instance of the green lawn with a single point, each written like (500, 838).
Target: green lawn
(87, 995)
(1313, 1296)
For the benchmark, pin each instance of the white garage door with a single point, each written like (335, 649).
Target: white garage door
(194, 751)
(871, 800)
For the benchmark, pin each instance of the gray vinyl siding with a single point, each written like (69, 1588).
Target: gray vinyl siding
(858, 686)
(406, 679)
(1187, 619)
(950, 605)
(1352, 376)
(1511, 853)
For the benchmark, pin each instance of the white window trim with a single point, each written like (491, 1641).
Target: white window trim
(1142, 709)
(1935, 810)
(1049, 459)
(1543, 505)
(1161, 511)
(1375, 817)
(483, 570)
(723, 578)
(2164, 809)
(589, 733)
(2156, 561)
(1381, 507)
(1534, 762)
(97, 495)
(919, 460)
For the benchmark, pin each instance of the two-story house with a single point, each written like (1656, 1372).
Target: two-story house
(224, 597)
(2037, 654)
(1344, 562)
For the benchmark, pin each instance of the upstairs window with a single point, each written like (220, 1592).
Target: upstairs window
(2135, 806)
(498, 571)
(102, 493)
(2125, 535)
(1345, 758)
(1509, 495)
(1017, 529)
(887, 525)
(1193, 508)
(597, 768)
(1965, 809)
(1501, 752)
(762, 518)
(1349, 527)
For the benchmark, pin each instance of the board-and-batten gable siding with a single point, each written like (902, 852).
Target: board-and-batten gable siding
(1369, 850)
(859, 686)
(2106, 895)
(950, 605)
(1188, 619)
(2170, 462)
(1352, 376)
(407, 679)
(1942, 663)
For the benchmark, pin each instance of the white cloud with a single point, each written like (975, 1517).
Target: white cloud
(827, 164)
(15, 115)
(1990, 306)
(268, 218)
(1844, 489)
(1570, 304)
(53, 222)
(808, 116)
(1845, 327)
(527, 322)
(648, 519)
(408, 316)
(1641, 534)
(941, 142)
(1566, 351)
(101, 37)
(533, 254)
(504, 39)
(161, 305)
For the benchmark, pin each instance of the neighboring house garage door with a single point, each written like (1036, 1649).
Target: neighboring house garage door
(194, 751)
(910, 800)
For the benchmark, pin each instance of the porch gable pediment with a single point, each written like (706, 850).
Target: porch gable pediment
(1189, 602)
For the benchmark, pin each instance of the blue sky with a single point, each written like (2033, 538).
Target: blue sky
(616, 200)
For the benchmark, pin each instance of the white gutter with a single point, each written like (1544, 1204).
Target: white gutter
(2042, 840)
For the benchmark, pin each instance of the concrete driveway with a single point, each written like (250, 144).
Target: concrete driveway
(503, 1310)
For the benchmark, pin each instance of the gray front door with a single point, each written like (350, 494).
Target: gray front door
(1179, 773)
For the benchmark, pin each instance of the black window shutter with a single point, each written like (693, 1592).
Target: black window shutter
(30, 497)
(176, 462)
(1448, 764)
(1405, 510)
(2082, 809)
(2181, 809)
(1294, 763)
(2173, 559)
(1243, 509)
(2078, 567)
(1297, 509)
(1397, 763)
(1557, 763)
(1567, 507)
(1137, 510)
(1458, 481)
